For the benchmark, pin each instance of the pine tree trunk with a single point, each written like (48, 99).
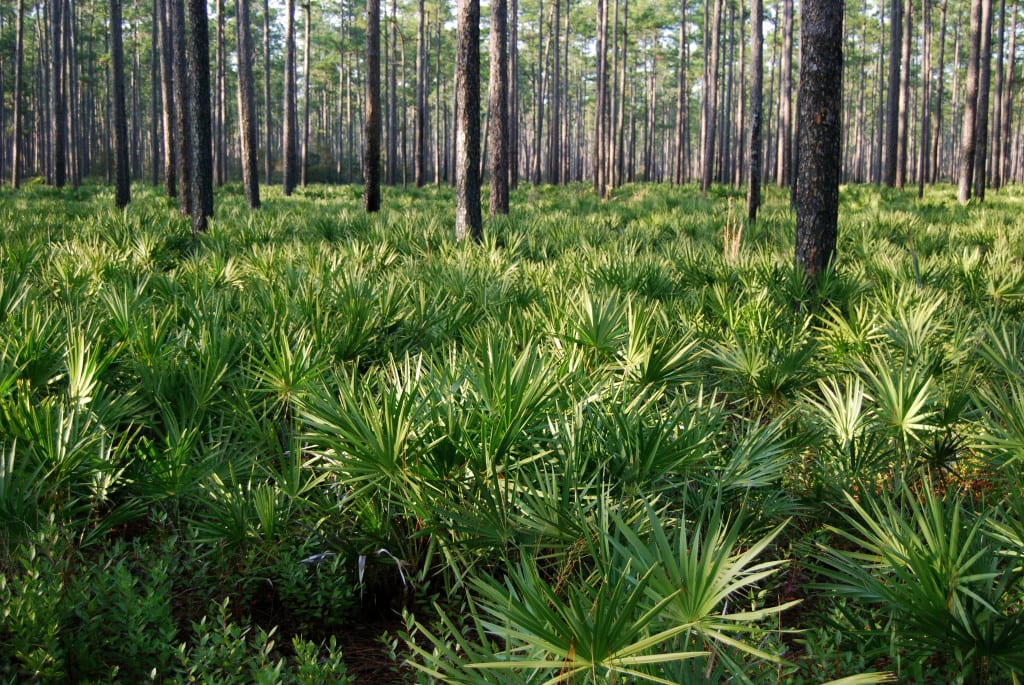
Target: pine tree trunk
(554, 128)
(711, 98)
(305, 97)
(154, 97)
(268, 142)
(756, 85)
(968, 139)
(183, 127)
(422, 124)
(601, 99)
(513, 95)
(19, 62)
(468, 217)
(392, 113)
(122, 190)
(289, 141)
(247, 128)
(933, 171)
(497, 97)
(199, 116)
(819, 121)
(984, 82)
(784, 154)
(371, 157)
(58, 132)
(997, 107)
(893, 96)
(903, 127)
(926, 67)
(1005, 152)
(681, 170)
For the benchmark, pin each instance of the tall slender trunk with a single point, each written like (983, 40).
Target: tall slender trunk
(219, 105)
(995, 172)
(122, 190)
(711, 97)
(392, 113)
(513, 95)
(167, 96)
(893, 95)
(154, 97)
(371, 156)
(970, 107)
(1005, 152)
(756, 85)
(199, 117)
(903, 126)
(422, 124)
(289, 140)
(58, 131)
(984, 83)
(19, 61)
(784, 156)
(940, 81)
(247, 128)
(925, 99)
(682, 106)
(182, 116)
(268, 141)
(601, 99)
(554, 128)
(468, 217)
(497, 97)
(305, 97)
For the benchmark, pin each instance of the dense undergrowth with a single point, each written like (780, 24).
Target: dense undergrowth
(606, 445)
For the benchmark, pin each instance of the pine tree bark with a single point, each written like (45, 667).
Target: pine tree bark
(924, 143)
(305, 97)
(756, 86)
(984, 84)
(371, 155)
(468, 216)
(903, 124)
(247, 129)
(933, 167)
(199, 116)
(968, 140)
(219, 104)
(183, 126)
(784, 132)
(498, 105)
(19, 62)
(1007, 102)
(513, 95)
(892, 101)
(997, 107)
(555, 110)
(819, 121)
(422, 125)
(681, 169)
(289, 129)
(122, 190)
(392, 113)
(601, 100)
(154, 97)
(711, 98)
(58, 113)
(167, 97)
(268, 142)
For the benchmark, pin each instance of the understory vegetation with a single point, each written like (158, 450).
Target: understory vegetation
(615, 442)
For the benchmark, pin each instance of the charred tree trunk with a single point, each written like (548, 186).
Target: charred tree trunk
(371, 156)
(820, 119)
(756, 86)
(199, 104)
(289, 130)
(892, 101)
(468, 217)
(122, 190)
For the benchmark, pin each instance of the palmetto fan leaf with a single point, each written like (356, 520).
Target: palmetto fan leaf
(925, 560)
